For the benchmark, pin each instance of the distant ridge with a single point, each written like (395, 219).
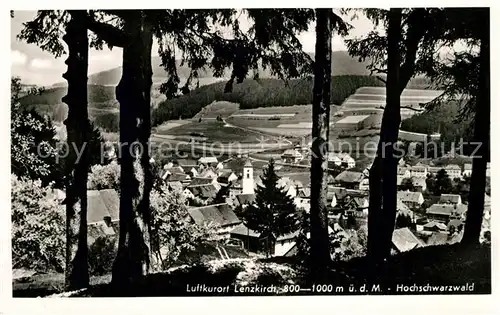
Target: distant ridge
(342, 64)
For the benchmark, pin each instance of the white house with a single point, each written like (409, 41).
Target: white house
(411, 199)
(219, 166)
(187, 194)
(418, 171)
(364, 184)
(454, 171)
(404, 172)
(291, 156)
(348, 160)
(450, 198)
(334, 158)
(194, 172)
(207, 160)
(303, 199)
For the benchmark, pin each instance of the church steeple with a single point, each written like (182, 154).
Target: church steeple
(248, 185)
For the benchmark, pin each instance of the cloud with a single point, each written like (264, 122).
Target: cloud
(17, 57)
(39, 63)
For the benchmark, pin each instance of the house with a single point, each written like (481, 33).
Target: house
(220, 215)
(188, 194)
(331, 199)
(193, 172)
(349, 179)
(437, 238)
(364, 184)
(289, 186)
(174, 169)
(339, 192)
(451, 199)
(419, 183)
(208, 160)
(251, 239)
(348, 161)
(404, 240)
(204, 192)
(303, 199)
(226, 176)
(168, 165)
(175, 186)
(356, 205)
(186, 163)
(434, 226)
(404, 172)
(454, 171)
(178, 177)
(467, 172)
(335, 159)
(291, 156)
(209, 173)
(103, 209)
(433, 170)
(445, 212)
(418, 171)
(412, 199)
(245, 199)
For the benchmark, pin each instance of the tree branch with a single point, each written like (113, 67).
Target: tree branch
(108, 33)
(380, 79)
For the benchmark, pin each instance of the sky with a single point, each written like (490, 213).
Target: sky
(35, 66)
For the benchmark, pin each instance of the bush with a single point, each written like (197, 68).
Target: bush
(102, 254)
(38, 226)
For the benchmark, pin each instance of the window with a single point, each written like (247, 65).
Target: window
(248, 175)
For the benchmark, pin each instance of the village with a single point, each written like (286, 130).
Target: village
(214, 188)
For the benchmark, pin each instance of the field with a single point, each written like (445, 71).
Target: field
(213, 131)
(290, 121)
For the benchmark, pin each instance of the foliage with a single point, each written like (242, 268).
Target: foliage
(403, 220)
(274, 213)
(261, 93)
(33, 147)
(101, 255)
(104, 177)
(442, 184)
(407, 184)
(173, 230)
(38, 229)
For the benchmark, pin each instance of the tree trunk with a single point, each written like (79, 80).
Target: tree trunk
(144, 135)
(76, 274)
(383, 174)
(129, 263)
(320, 249)
(475, 209)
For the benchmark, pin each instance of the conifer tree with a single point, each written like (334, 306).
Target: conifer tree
(273, 213)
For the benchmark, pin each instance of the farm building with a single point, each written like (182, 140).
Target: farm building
(353, 123)
(445, 212)
(404, 240)
(219, 215)
(291, 156)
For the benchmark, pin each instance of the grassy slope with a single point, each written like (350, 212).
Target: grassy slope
(435, 265)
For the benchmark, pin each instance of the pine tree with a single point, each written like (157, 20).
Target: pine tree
(443, 183)
(274, 213)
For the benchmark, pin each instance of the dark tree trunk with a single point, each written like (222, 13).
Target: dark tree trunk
(132, 252)
(77, 125)
(383, 174)
(475, 209)
(144, 135)
(320, 249)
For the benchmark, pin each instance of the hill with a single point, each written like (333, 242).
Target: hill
(258, 93)
(342, 64)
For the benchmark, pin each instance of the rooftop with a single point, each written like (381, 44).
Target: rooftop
(220, 214)
(404, 240)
